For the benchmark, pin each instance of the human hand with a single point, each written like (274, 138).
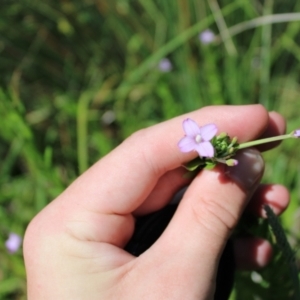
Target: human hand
(73, 249)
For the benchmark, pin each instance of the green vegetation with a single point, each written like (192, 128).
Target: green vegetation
(78, 77)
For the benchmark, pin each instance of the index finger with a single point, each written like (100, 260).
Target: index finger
(119, 182)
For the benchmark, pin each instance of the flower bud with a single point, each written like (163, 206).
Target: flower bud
(234, 140)
(221, 136)
(230, 150)
(231, 162)
(296, 133)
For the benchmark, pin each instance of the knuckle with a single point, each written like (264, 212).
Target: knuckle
(214, 215)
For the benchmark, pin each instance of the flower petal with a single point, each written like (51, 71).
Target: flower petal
(190, 127)
(187, 144)
(205, 149)
(208, 131)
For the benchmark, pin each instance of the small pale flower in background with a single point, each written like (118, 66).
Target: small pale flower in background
(165, 65)
(108, 117)
(198, 138)
(296, 133)
(256, 277)
(206, 37)
(13, 243)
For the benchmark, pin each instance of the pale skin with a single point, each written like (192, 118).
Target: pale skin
(74, 247)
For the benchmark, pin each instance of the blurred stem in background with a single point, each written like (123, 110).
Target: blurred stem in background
(266, 43)
(78, 77)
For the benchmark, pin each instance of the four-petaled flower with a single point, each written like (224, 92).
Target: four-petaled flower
(296, 133)
(198, 138)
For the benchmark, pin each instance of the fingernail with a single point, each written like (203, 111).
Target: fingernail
(249, 169)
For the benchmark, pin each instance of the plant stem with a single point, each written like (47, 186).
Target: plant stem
(264, 141)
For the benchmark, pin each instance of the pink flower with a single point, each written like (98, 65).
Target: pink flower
(207, 36)
(165, 65)
(198, 138)
(13, 242)
(296, 133)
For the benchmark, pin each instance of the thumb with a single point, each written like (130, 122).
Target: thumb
(209, 210)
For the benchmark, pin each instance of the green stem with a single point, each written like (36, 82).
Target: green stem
(82, 131)
(264, 141)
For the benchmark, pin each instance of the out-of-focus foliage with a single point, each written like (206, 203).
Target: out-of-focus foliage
(78, 77)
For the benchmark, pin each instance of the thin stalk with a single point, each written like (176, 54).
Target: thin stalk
(266, 40)
(225, 35)
(264, 141)
(261, 21)
(82, 131)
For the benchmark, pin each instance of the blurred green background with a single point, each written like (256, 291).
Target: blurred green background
(78, 77)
